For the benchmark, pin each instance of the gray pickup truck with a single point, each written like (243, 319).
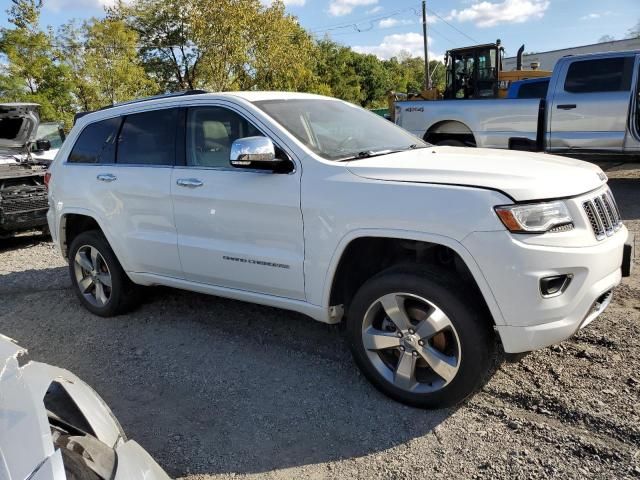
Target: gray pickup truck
(591, 108)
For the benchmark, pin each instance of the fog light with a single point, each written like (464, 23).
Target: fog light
(554, 285)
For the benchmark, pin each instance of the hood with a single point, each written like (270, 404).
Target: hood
(18, 126)
(521, 175)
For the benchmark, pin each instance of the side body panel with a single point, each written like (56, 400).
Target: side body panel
(492, 122)
(241, 229)
(585, 121)
(136, 207)
(388, 209)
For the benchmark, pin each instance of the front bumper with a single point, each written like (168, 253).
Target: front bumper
(513, 270)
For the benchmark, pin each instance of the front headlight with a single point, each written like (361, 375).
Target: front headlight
(536, 217)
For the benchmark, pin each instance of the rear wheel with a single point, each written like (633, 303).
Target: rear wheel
(417, 341)
(97, 277)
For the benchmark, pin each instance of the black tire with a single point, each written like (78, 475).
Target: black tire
(451, 143)
(477, 345)
(123, 292)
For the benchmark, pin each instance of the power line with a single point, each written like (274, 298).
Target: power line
(452, 26)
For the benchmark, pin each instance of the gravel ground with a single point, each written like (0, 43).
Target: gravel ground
(215, 388)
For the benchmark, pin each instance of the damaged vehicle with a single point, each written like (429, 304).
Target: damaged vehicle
(54, 426)
(23, 164)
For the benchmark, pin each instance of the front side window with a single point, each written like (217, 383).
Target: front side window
(148, 138)
(337, 130)
(601, 75)
(96, 143)
(210, 133)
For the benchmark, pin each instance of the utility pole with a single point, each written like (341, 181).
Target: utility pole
(427, 77)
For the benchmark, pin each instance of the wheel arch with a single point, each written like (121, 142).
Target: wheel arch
(449, 129)
(75, 221)
(352, 241)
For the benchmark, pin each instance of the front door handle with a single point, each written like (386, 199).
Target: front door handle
(567, 106)
(106, 177)
(189, 182)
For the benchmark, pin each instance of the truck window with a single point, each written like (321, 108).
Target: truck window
(533, 89)
(600, 75)
(96, 143)
(148, 138)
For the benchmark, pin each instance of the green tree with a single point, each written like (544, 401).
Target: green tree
(168, 51)
(335, 70)
(373, 79)
(221, 45)
(111, 70)
(33, 71)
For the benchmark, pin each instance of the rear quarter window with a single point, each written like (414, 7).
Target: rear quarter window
(96, 143)
(533, 90)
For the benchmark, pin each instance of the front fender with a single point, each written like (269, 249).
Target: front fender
(449, 242)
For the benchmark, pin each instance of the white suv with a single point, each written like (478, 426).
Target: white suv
(312, 204)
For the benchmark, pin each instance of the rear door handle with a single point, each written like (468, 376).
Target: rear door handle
(567, 106)
(189, 182)
(106, 177)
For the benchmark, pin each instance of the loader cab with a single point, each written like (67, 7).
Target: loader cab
(473, 72)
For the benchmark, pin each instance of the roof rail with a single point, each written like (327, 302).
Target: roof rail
(79, 115)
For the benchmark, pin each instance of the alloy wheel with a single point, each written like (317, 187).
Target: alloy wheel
(92, 276)
(411, 342)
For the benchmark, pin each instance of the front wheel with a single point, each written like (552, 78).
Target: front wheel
(417, 341)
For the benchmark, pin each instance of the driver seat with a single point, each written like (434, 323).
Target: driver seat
(213, 145)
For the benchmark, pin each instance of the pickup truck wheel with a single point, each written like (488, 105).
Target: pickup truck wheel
(417, 341)
(97, 277)
(451, 143)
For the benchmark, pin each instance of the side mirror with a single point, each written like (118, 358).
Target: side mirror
(43, 145)
(254, 153)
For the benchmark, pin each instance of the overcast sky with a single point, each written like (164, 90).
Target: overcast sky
(386, 27)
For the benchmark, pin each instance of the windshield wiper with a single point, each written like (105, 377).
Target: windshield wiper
(377, 153)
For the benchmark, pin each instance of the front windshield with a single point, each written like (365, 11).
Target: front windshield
(337, 130)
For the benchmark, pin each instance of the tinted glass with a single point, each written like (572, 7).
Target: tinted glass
(148, 138)
(338, 130)
(533, 89)
(603, 75)
(96, 143)
(210, 133)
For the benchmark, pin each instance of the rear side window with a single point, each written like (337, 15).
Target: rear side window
(148, 138)
(96, 143)
(602, 75)
(533, 90)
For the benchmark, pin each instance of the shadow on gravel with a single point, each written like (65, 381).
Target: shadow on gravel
(31, 281)
(22, 241)
(215, 386)
(625, 191)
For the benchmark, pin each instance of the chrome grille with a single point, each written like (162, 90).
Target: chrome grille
(603, 214)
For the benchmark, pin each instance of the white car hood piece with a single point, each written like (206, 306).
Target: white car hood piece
(521, 175)
(24, 421)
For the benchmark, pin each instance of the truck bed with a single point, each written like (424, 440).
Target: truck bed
(497, 120)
